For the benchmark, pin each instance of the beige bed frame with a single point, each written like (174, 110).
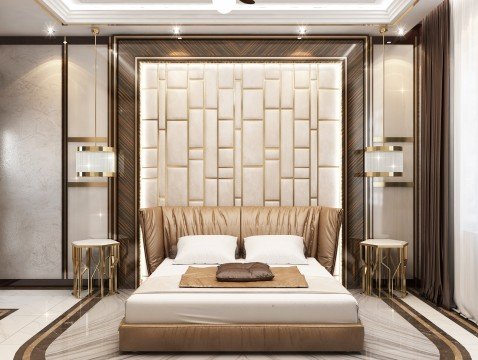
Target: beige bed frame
(319, 226)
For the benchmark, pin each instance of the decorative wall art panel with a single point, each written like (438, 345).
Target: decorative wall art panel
(243, 134)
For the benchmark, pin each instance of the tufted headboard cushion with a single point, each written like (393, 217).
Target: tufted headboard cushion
(163, 226)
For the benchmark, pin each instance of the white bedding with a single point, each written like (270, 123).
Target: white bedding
(222, 307)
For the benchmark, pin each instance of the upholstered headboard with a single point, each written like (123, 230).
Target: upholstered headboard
(163, 226)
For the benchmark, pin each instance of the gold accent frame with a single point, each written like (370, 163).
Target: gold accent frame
(381, 174)
(95, 174)
(392, 139)
(297, 59)
(383, 148)
(95, 149)
(393, 184)
(87, 184)
(88, 139)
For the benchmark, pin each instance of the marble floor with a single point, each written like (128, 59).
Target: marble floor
(35, 309)
(394, 329)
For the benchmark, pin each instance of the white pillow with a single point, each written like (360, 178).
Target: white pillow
(275, 249)
(206, 249)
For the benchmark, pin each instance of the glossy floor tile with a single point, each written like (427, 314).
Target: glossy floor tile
(93, 333)
(387, 336)
(464, 337)
(35, 310)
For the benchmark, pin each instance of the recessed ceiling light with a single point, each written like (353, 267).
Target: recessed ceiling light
(401, 31)
(50, 30)
(302, 32)
(177, 32)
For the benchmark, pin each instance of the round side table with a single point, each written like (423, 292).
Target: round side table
(106, 267)
(372, 254)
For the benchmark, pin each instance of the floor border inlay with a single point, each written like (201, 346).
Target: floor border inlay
(450, 314)
(35, 348)
(448, 347)
(5, 312)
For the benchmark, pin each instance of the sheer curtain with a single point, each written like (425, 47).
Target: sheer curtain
(464, 17)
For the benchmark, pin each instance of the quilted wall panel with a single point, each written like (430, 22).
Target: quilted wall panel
(241, 134)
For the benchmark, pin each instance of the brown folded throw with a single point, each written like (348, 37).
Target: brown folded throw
(244, 272)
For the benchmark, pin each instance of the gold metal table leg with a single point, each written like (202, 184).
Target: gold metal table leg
(102, 270)
(116, 267)
(88, 265)
(75, 274)
(379, 270)
(80, 274)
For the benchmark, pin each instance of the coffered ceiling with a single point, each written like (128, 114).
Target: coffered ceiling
(75, 17)
(333, 12)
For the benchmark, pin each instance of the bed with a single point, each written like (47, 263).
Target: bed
(172, 319)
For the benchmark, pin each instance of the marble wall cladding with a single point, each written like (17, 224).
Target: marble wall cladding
(88, 206)
(393, 209)
(241, 134)
(30, 161)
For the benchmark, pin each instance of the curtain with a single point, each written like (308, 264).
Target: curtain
(435, 249)
(465, 133)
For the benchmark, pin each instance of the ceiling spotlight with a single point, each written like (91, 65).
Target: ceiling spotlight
(302, 32)
(50, 30)
(401, 31)
(224, 6)
(177, 32)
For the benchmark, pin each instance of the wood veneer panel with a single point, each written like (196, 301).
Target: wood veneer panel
(129, 48)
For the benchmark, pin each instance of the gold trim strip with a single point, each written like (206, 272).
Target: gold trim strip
(88, 139)
(87, 184)
(95, 148)
(383, 148)
(95, 174)
(389, 184)
(380, 174)
(392, 139)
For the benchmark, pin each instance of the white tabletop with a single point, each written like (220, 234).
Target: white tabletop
(94, 242)
(385, 243)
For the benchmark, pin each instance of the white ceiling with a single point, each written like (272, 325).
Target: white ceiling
(74, 17)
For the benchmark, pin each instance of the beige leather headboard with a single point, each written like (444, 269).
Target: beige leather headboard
(163, 226)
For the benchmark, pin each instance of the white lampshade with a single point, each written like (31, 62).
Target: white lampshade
(383, 161)
(95, 161)
(224, 6)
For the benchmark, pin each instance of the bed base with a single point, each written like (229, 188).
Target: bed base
(241, 337)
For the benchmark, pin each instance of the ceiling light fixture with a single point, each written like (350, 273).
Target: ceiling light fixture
(177, 32)
(95, 161)
(302, 32)
(50, 30)
(401, 31)
(224, 6)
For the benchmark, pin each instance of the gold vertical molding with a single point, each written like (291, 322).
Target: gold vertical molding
(64, 159)
(416, 151)
(137, 183)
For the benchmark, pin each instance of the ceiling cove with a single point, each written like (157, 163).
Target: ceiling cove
(273, 12)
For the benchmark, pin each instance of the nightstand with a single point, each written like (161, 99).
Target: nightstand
(378, 255)
(106, 267)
